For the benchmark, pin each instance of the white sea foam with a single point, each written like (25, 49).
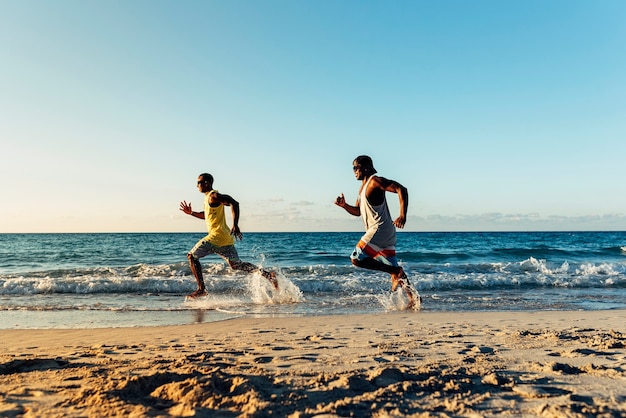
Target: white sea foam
(399, 300)
(263, 292)
(133, 273)
(603, 269)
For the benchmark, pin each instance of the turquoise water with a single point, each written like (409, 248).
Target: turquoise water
(101, 280)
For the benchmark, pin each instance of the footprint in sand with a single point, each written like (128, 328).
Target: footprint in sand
(534, 391)
(21, 366)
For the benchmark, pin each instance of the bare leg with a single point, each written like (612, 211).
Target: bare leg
(403, 281)
(196, 269)
(271, 276)
(371, 264)
(398, 276)
(249, 268)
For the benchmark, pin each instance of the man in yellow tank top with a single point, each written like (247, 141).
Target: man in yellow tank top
(220, 239)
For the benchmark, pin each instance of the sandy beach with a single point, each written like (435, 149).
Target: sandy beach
(561, 364)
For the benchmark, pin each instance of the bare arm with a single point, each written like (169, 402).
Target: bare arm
(352, 210)
(379, 186)
(226, 200)
(403, 197)
(235, 229)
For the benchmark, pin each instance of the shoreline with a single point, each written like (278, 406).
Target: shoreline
(549, 363)
(103, 320)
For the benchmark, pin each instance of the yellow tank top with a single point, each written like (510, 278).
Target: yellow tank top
(219, 232)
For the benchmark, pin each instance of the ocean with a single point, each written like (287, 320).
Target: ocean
(133, 279)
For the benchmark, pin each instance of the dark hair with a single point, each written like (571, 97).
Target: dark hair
(366, 162)
(207, 177)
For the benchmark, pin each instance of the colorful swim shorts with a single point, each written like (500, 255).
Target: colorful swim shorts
(365, 250)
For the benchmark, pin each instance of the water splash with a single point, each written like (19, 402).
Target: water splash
(399, 300)
(262, 291)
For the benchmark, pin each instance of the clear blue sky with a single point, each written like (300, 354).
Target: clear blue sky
(497, 115)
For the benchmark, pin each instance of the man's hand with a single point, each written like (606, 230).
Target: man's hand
(341, 201)
(235, 232)
(399, 223)
(186, 207)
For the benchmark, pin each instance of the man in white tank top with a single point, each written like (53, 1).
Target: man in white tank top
(376, 250)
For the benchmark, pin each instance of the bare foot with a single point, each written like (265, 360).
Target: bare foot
(398, 280)
(271, 276)
(415, 300)
(401, 280)
(198, 293)
(411, 296)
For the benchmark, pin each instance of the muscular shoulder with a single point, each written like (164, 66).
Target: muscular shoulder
(376, 190)
(383, 185)
(380, 182)
(216, 199)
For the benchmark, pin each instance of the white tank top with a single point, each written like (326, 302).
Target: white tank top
(379, 227)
